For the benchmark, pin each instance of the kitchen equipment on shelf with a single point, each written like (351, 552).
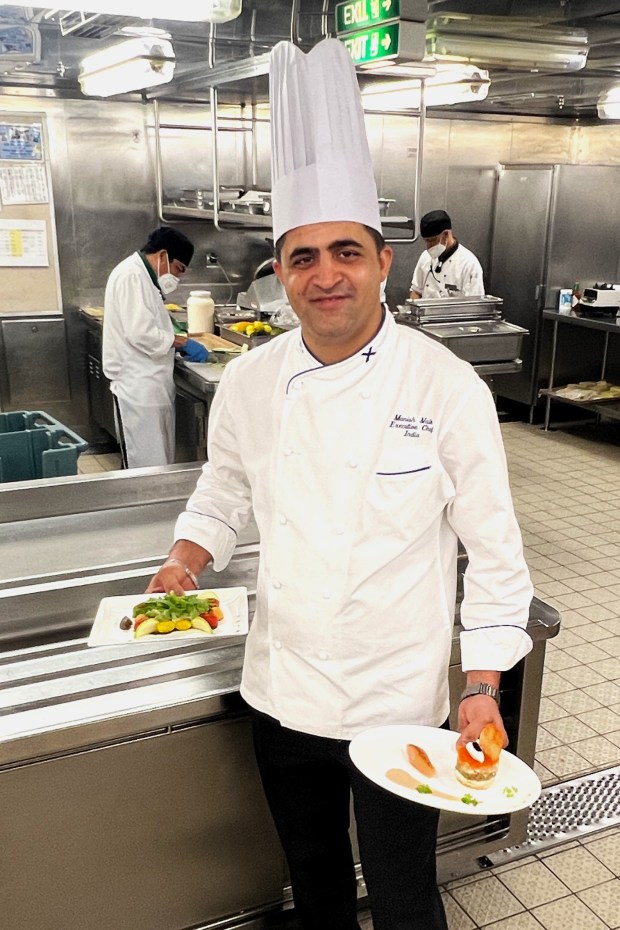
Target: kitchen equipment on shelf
(446, 309)
(600, 300)
(471, 327)
(252, 202)
(479, 340)
(385, 205)
(200, 312)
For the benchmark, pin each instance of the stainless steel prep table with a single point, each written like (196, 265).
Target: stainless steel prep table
(127, 773)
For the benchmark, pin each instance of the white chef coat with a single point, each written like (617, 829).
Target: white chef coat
(361, 476)
(138, 358)
(459, 276)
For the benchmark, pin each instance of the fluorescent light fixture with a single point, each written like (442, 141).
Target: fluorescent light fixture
(450, 84)
(506, 41)
(138, 63)
(191, 11)
(609, 104)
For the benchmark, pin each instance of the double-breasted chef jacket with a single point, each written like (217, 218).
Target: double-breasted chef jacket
(138, 358)
(459, 276)
(362, 475)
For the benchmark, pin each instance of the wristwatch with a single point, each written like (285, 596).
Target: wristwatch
(481, 687)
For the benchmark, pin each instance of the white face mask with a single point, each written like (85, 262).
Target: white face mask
(167, 282)
(436, 250)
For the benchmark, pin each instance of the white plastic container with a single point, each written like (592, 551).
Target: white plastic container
(200, 313)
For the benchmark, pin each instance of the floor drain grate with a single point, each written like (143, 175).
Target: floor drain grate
(569, 811)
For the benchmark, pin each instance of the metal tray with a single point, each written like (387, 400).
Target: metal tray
(479, 340)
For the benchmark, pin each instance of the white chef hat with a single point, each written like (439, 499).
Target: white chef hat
(320, 162)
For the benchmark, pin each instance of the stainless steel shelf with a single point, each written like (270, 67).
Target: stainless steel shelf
(248, 220)
(607, 408)
(257, 220)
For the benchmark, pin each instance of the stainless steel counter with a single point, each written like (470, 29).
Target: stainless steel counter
(130, 769)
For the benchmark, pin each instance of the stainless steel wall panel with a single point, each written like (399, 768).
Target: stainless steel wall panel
(112, 183)
(583, 244)
(534, 144)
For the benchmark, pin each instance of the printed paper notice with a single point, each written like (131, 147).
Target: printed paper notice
(23, 184)
(23, 243)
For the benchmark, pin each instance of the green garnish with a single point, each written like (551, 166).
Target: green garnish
(173, 606)
(424, 789)
(510, 791)
(470, 799)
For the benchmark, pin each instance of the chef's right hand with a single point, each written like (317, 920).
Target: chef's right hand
(170, 578)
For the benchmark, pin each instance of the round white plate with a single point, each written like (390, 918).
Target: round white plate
(377, 751)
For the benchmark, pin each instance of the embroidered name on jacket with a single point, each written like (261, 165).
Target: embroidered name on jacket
(411, 426)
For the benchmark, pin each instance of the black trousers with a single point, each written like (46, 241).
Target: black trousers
(308, 781)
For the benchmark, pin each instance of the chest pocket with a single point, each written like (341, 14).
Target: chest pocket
(406, 489)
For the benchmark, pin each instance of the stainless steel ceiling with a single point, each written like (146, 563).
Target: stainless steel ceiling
(264, 22)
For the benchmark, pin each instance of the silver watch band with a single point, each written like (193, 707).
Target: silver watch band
(480, 687)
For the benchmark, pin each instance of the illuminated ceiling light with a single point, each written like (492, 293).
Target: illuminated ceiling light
(450, 85)
(509, 42)
(609, 104)
(140, 62)
(191, 11)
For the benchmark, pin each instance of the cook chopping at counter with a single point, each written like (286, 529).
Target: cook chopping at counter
(139, 343)
(364, 451)
(446, 268)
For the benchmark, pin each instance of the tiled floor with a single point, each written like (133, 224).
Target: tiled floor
(89, 464)
(567, 496)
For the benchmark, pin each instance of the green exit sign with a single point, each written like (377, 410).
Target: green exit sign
(373, 44)
(360, 14)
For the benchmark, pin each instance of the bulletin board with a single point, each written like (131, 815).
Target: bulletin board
(28, 251)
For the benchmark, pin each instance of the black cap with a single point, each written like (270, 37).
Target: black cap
(175, 243)
(434, 223)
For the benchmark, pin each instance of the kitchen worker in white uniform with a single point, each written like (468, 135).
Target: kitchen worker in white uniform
(139, 344)
(364, 451)
(446, 268)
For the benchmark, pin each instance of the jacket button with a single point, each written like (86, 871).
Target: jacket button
(277, 584)
(351, 464)
(365, 395)
(287, 451)
(283, 519)
(323, 656)
(339, 530)
(277, 644)
(327, 595)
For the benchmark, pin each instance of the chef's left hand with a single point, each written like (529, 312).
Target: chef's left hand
(474, 714)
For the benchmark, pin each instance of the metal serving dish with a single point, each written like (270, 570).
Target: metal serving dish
(479, 340)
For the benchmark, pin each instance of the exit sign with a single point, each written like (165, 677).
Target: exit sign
(360, 14)
(373, 44)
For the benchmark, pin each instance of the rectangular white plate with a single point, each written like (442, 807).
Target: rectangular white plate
(106, 629)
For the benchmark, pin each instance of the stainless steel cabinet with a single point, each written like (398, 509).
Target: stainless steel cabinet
(35, 373)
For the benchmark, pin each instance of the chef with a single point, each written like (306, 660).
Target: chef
(139, 343)
(364, 450)
(446, 268)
